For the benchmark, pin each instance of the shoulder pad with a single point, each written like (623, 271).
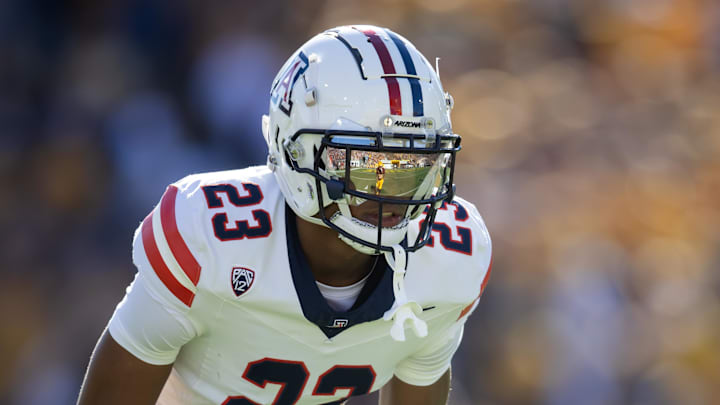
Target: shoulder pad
(454, 266)
(172, 245)
(162, 249)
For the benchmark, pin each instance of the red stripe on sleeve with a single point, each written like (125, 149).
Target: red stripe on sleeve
(487, 277)
(482, 288)
(389, 68)
(177, 245)
(158, 264)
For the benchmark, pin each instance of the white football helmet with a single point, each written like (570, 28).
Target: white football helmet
(358, 118)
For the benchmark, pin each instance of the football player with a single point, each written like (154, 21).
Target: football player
(294, 283)
(380, 177)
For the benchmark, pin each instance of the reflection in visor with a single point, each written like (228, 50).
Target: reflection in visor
(400, 175)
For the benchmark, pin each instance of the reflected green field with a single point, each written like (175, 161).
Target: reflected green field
(398, 182)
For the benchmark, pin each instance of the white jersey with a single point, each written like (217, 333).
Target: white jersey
(223, 291)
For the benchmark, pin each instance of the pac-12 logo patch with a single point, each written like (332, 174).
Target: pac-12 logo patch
(241, 279)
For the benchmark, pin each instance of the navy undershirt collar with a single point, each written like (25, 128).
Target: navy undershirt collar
(375, 298)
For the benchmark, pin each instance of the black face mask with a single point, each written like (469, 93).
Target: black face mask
(387, 179)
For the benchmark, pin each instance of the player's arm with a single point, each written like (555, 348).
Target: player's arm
(117, 377)
(424, 377)
(135, 353)
(397, 392)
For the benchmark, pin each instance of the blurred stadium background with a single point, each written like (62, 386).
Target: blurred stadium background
(591, 145)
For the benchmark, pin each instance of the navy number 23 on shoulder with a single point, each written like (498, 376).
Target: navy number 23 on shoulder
(242, 229)
(464, 242)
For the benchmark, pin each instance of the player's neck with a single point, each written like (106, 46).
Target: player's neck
(332, 261)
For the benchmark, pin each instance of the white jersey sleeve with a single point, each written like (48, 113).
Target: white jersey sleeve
(155, 318)
(432, 361)
(450, 273)
(151, 331)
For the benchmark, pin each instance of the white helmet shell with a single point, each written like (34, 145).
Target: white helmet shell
(351, 78)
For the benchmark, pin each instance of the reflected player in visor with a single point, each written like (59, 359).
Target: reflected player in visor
(300, 282)
(380, 175)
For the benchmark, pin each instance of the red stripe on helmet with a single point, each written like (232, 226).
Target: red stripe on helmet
(159, 266)
(389, 68)
(179, 249)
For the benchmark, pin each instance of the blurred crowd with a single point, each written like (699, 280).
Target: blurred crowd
(591, 145)
(362, 159)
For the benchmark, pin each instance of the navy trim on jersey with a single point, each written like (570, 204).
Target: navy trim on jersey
(375, 298)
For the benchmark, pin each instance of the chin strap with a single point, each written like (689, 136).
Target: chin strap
(402, 309)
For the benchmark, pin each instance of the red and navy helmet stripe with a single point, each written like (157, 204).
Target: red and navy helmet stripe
(410, 69)
(388, 68)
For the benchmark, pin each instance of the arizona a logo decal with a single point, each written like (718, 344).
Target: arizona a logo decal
(282, 89)
(241, 279)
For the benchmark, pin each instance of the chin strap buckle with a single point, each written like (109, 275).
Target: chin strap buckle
(402, 309)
